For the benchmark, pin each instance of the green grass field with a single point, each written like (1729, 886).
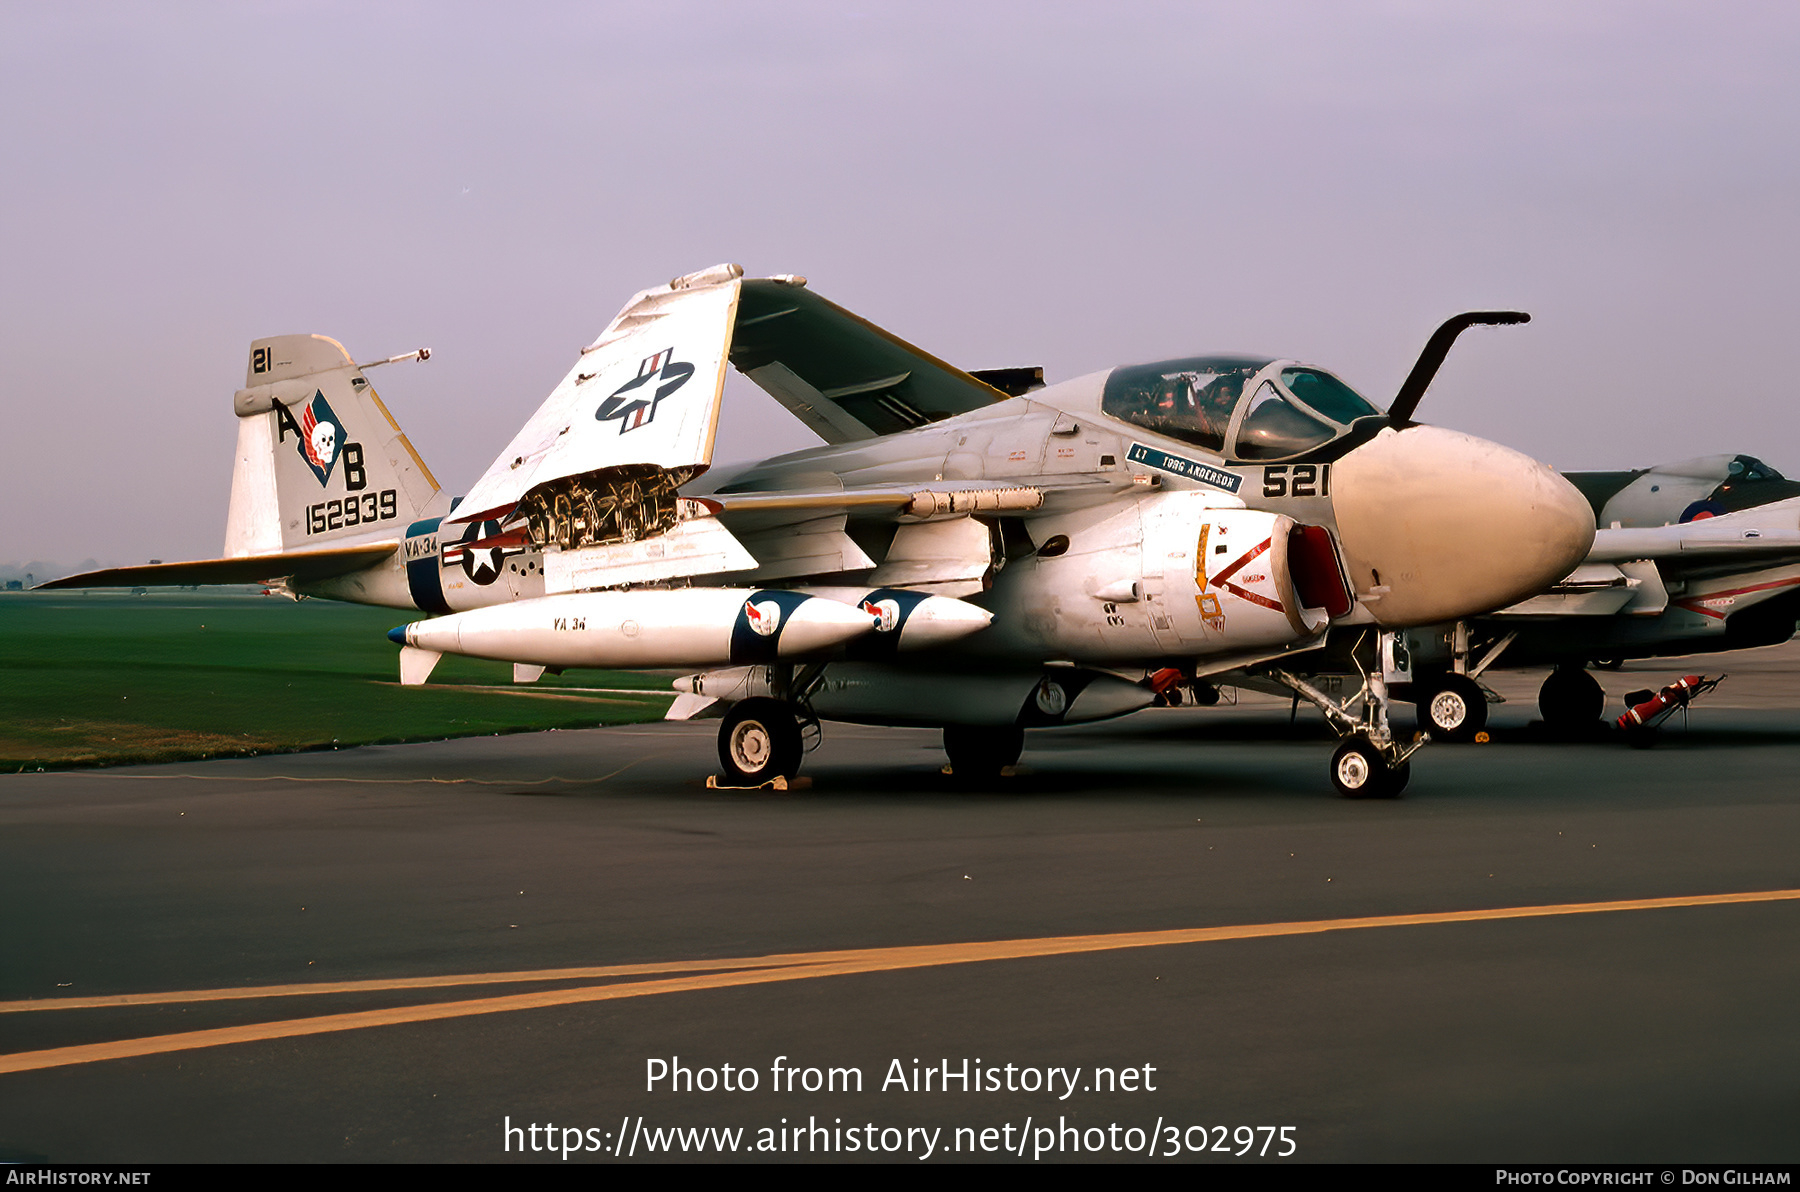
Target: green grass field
(106, 679)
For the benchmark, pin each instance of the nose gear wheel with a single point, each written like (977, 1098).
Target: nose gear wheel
(1370, 764)
(1359, 771)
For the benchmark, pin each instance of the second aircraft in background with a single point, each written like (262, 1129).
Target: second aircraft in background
(1692, 557)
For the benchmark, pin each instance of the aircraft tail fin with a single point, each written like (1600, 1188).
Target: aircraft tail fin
(320, 460)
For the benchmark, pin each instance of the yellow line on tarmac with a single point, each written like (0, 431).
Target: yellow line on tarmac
(380, 985)
(751, 971)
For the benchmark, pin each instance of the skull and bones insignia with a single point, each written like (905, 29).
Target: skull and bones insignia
(321, 437)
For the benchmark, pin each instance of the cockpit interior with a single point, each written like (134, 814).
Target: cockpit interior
(1242, 407)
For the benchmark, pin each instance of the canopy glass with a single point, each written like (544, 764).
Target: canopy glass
(1265, 409)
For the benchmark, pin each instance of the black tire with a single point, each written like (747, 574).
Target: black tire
(1358, 771)
(1453, 709)
(758, 741)
(1571, 699)
(1397, 780)
(979, 753)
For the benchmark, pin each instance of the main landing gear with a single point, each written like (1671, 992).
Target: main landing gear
(759, 739)
(1571, 700)
(979, 753)
(1454, 708)
(762, 739)
(1370, 764)
(1452, 703)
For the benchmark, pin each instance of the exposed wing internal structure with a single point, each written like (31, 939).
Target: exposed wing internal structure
(639, 406)
(593, 477)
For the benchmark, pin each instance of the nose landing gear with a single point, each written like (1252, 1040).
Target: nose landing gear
(1370, 764)
(1360, 771)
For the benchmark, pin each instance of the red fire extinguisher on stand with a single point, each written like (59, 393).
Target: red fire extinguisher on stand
(1645, 711)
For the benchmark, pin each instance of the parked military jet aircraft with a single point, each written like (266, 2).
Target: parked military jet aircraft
(1691, 490)
(967, 550)
(1694, 557)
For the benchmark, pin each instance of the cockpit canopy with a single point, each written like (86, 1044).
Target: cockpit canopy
(1748, 467)
(1265, 409)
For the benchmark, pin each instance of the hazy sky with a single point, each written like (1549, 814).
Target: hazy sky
(1075, 186)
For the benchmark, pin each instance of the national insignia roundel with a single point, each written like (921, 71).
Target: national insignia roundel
(632, 408)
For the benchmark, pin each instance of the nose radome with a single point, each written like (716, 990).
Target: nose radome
(1452, 526)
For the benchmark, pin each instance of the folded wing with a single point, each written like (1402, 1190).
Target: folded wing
(593, 477)
(841, 375)
(632, 420)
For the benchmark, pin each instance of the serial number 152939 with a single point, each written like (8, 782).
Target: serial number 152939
(358, 510)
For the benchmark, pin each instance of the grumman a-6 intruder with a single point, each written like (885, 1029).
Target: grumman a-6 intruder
(967, 550)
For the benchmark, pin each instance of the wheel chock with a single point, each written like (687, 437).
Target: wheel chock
(777, 783)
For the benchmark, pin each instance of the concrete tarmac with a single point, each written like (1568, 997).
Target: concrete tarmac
(1650, 1034)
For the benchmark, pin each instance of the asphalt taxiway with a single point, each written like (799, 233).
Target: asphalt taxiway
(470, 933)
